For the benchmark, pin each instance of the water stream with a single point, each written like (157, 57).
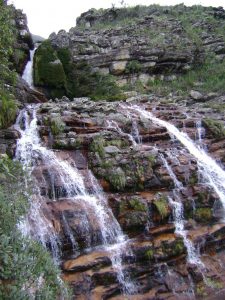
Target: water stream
(178, 209)
(212, 173)
(32, 154)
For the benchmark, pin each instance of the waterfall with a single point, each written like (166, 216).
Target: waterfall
(179, 221)
(135, 132)
(111, 124)
(212, 173)
(32, 153)
(200, 131)
(28, 71)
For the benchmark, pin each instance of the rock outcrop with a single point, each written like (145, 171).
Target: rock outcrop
(143, 43)
(106, 138)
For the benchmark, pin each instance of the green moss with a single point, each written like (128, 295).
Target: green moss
(149, 254)
(213, 283)
(117, 179)
(203, 214)
(98, 145)
(118, 143)
(152, 159)
(215, 127)
(106, 165)
(179, 247)
(162, 206)
(57, 126)
(193, 179)
(137, 205)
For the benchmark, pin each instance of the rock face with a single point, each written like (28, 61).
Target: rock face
(106, 138)
(143, 43)
(23, 42)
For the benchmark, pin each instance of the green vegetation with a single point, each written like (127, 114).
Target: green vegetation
(209, 77)
(215, 127)
(57, 126)
(98, 145)
(7, 76)
(149, 254)
(162, 206)
(137, 205)
(117, 179)
(55, 71)
(133, 67)
(203, 214)
(26, 268)
(8, 109)
(48, 70)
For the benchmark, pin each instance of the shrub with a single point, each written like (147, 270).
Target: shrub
(117, 178)
(215, 127)
(133, 67)
(8, 109)
(162, 206)
(57, 126)
(98, 145)
(48, 70)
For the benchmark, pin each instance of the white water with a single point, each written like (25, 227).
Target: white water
(178, 214)
(111, 124)
(213, 174)
(31, 153)
(135, 132)
(200, 131)
(28, 71)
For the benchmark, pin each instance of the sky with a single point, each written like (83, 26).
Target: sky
(47, 16)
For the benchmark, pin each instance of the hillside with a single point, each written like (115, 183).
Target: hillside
(115, 162)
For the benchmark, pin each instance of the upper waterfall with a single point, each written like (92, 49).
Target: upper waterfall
(28, 71)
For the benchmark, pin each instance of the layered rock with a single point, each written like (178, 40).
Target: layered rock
(104, 137)
(142, 42)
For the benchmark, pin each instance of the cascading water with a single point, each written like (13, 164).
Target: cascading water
(31, 153)
(179, 222)
(212, 173)
(135, 132)
(200, 131)
(28, 71)
(111, 124)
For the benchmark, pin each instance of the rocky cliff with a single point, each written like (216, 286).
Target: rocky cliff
(141, 44)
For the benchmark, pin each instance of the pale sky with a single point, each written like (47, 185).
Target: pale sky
(47, 16)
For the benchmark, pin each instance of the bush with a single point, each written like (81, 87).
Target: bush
(215, 127)
(57, 126)
(48, 70)
(8, 109)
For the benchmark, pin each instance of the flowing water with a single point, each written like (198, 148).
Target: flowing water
(212, 173)
(33, 154)
(28, 71)
(111, 124)
(178, 215)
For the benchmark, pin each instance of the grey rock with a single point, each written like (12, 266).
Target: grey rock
(111, 149)
(196, 95)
